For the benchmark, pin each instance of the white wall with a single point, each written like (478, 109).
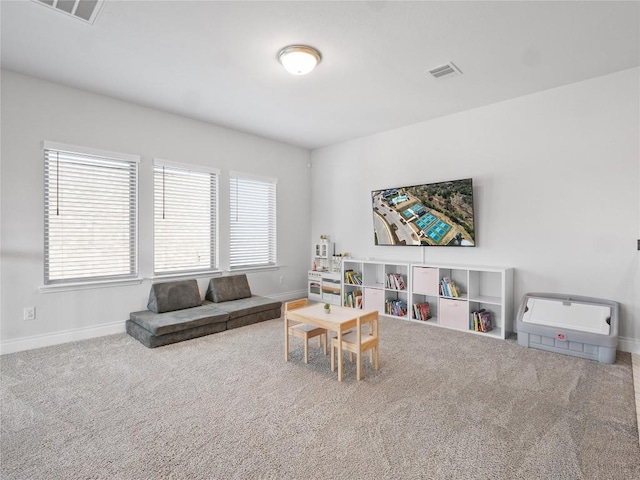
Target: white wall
(551, 171)
(34, 110)
(556, 185)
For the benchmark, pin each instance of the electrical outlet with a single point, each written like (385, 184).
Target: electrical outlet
(29, 313)
(281, 280)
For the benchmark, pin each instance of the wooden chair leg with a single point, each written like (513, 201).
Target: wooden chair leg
(351, 357)
(358, 366)
(325, 342)
(333, 360)
(376, 365)
(306, 350)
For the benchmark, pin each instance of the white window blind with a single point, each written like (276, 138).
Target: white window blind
(90, 214)
(185, 218)
(252, 226)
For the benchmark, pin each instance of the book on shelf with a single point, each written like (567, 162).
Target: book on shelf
(353, 299)
(352, 277)
(395, 281)
(396, 307)
(480, 321)
(422, 311)
(448, 288)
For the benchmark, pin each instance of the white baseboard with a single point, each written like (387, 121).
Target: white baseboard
(49, 339)
(630, 345)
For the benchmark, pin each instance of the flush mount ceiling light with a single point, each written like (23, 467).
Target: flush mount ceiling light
(299, 59)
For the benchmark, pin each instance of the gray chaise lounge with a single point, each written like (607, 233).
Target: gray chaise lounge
(176, 312)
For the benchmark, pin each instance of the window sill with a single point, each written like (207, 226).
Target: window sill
(255, 269)
(68, 287)
(172, 276)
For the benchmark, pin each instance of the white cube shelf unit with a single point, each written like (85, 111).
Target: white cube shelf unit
(377, 285)
(477, 288)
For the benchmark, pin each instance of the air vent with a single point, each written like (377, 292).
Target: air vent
(85, 10)
(448, 70)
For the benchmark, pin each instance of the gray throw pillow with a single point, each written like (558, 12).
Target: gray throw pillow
(223, 289)
(171, 296)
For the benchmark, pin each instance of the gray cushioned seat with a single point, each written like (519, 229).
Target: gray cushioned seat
(254, 318)
(171, 296)
(232, 294)
(151, 341)
(248, 306)
(232, 287)
(176, 312)
(171, 322)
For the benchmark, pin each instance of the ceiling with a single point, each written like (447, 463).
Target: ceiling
(216, 61)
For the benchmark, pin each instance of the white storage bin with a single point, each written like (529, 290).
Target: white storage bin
(579, 326)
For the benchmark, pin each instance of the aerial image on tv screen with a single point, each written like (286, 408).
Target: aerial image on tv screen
(438, 214)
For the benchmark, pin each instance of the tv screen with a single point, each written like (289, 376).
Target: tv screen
(431, 214)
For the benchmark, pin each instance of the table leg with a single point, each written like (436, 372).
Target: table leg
(286, 338)
(340, 354)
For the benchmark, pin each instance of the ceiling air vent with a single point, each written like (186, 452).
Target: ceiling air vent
(85, 10)
(448, 70)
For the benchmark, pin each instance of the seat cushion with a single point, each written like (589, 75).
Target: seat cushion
(149, 340)
(248, 306)
(172, 296)
(224, 289)
(253, 318)
(171, 322)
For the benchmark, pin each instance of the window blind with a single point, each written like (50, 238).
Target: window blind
(90, 214)
(252, 226)
(185, 219)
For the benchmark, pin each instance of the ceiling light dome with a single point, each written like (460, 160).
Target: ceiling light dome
(299, 59)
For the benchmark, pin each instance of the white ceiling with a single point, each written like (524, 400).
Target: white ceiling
(216, 61)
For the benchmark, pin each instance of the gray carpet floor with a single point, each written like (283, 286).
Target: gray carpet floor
(444, 404)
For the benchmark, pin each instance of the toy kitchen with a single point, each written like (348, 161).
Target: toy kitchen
(324, 280)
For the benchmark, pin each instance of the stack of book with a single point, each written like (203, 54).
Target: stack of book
(480, 321)
(352, 277)
(421, 311)
(448, 288)
(396, 307)
(353, 299)
(395, 281)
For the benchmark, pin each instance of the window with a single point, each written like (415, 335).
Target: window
(252, 226)
(90, 224)
(185, 218)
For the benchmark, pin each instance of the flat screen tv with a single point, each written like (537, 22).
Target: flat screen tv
(431, 214)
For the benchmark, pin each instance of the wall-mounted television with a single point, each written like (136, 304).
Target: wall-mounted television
(431, 214)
